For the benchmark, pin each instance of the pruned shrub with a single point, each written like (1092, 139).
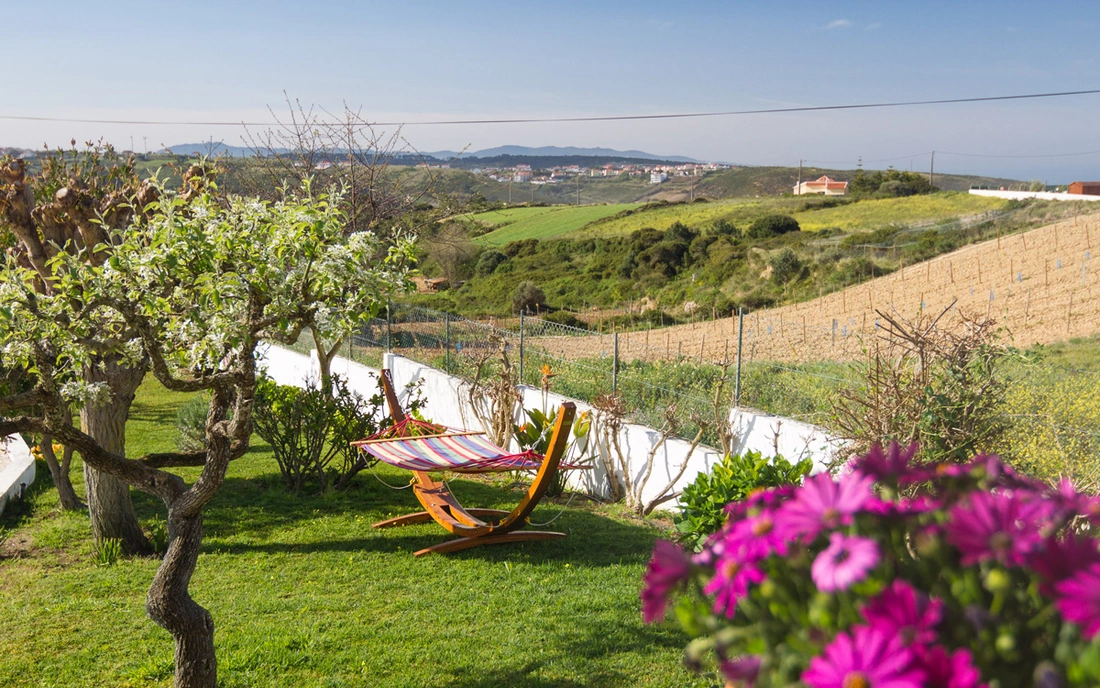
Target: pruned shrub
(309, 427)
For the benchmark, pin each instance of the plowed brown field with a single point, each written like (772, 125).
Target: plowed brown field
(1042, 285)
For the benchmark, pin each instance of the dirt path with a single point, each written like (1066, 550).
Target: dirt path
(1043, 286)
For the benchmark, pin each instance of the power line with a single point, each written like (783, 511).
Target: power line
(608, 118)
(1044, 155)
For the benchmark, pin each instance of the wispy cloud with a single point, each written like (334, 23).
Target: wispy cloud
(839, 24)
(873, 27)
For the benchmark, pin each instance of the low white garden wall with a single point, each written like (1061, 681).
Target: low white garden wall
(445, 404)
(17, 472)
(1044, 195)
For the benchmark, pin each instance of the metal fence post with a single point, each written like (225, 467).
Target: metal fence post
(615, 365)
(389, 324)
(521, 345)
(447, 341)
(740, 334)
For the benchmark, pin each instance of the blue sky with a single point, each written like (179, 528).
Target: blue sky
(410, 61)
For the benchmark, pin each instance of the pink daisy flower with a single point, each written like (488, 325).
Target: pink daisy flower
(900, 609)
(1079, 600)
(667, 569)
(822, 503)
(845, 561)
(944, 670)
(890, 465)
(743, 669)
(869, 658)
(731, 583)
(1004, 526)
(1061, 558)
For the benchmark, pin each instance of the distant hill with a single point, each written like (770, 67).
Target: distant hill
(216, 148)
(560, 151)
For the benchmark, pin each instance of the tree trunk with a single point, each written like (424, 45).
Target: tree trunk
(109, 505)
(59, 471)
(170, 605)
(324, 361)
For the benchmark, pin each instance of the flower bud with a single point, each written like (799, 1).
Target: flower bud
(997, 580)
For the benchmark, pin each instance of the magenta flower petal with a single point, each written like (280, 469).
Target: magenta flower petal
(822, 503)
(731, 583)
(889, 465)
(944, 670)
(869, 658)
(845, 561)
(744, 669)
(667, 569)
(1079, 600)
(1063, 557)
(1005, 526)
(902, 610)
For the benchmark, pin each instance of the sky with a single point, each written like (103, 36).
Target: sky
(416, 61)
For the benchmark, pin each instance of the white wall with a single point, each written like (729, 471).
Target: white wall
(1044, 195)
(18, 474)
(447, 403)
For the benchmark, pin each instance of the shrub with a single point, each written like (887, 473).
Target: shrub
(984, 578)
(703, 502)
(785, 266)
(536, 432)
(528, 298)
(191, 424)
(489, 261)
(772, 225)
(565, 318)
(308, 427)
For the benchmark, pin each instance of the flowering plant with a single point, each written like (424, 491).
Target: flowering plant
(894, 575)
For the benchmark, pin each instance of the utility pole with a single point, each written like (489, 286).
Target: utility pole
(799, 187)
(578, 188)
(146, 140)
(509, 192)
(932, 170)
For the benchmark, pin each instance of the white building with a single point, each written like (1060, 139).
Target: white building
(822, 185)
(657, 177)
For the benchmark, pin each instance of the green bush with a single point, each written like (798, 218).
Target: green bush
(565, 318)
(489, 262)
(772, 225)
(528, 298)
(308, 428)
(785, 266)
(703, 502)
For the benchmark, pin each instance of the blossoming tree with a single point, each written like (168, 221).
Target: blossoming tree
(194, 285)
(895, 576)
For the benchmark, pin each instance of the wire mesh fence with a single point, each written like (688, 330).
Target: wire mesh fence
(694, 379)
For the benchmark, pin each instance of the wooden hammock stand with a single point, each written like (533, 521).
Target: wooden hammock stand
(499, 526)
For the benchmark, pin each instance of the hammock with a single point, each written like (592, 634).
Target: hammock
(419, 446)
(423, 447)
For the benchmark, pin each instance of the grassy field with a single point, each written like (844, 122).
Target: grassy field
(304, 593)
(515, 224)
(870, 214)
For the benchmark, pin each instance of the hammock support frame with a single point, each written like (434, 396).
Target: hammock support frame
(475, 527)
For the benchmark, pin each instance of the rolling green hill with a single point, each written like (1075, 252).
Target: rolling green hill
(515, 224)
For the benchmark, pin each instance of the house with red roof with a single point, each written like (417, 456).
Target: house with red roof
(822, 185)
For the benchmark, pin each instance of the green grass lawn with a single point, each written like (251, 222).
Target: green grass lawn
(304, 593)
(543, 222)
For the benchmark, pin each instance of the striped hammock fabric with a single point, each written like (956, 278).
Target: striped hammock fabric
(461, 453)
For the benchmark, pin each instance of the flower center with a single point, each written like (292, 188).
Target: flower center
(730, 568)
(763, 526)
(1000, 542)
(856, 679)
(830, 516)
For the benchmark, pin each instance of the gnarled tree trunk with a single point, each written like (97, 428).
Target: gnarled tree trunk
(169, 604)
(59, 471)
(109, 505)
